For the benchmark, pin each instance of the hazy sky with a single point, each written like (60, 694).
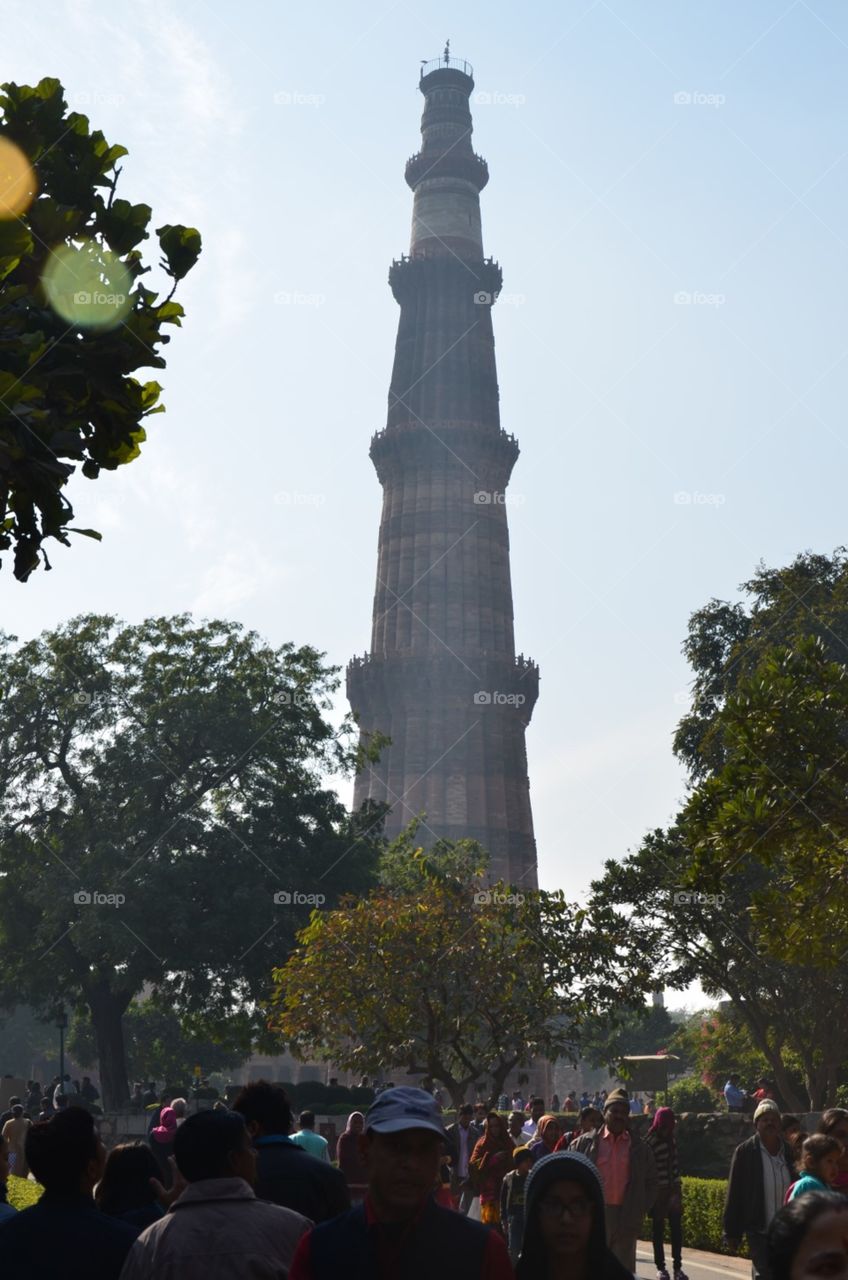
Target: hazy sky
(668, 203)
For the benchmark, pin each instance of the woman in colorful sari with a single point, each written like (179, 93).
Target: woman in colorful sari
(490, 1160)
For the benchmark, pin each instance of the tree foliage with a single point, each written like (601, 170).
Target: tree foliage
(68, 396)
(176, 770)
(457, 980)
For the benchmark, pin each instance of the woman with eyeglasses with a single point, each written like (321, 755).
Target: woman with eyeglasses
(564, 1231)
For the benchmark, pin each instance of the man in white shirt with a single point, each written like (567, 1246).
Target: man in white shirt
(761, 1171)
(462, 1138)
(537, 1110)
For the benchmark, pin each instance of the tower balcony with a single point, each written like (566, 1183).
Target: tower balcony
(452, 163)
(408, 274)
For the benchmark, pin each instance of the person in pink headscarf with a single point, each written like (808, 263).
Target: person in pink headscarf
(349, 1156)
(162, 1142)
(668, 1204)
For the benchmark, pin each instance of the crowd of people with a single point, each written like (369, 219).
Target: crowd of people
(241, 1191)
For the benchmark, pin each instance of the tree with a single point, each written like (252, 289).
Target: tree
(718, 1043)
(604, 1041)
(163, 819)
(779, 797)
(75, 320)
(158, 1046)
(457, 981)
(689, 928)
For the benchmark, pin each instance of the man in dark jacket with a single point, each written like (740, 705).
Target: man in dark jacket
(399, 1230)
(65, 1234)
(461, 1139)
(285, 1173)
(761, 1170)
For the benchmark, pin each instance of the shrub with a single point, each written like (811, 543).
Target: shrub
(691, 1094)
(703, 1208)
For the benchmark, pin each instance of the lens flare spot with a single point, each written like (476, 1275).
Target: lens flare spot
(18, 182)
(88, 286)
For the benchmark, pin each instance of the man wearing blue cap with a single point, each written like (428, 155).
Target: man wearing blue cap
(399, 1232)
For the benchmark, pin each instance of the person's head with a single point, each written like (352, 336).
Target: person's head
(355, 1122)
(17, 1111)
(590, 1118)
(733, 1078)
(125, 1184)
(564, 1217)
(767, 1124)
(548, 1129)
(86, 1080)
(402, 1149)
(65, 1153)
(494, 1125)
(835, 1123)
(789, 1126)
(820, 1156)
(14, 1102)
(515, 1123)
(664, 1121)
(522, 1158)
(480, 1112)
(306, 1120)
(214, 1144)
(179, 1106)
(466, 1114)
(617, 1111)
(537, 1109)
(808, 1238)
(266, 1109)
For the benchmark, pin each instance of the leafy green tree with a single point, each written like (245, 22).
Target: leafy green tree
(604, 1041)
(158, 1046)
(68, 396)
(164, 821)
(458, 981)
(690, 926)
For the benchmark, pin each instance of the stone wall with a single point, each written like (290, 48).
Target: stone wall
(706, 1142)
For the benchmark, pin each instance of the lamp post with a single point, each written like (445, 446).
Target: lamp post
(62, 1024)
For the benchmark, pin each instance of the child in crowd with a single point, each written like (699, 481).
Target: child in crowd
(512, 1201)
(820, 1156)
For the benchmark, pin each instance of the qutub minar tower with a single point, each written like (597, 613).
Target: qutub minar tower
(442, 678)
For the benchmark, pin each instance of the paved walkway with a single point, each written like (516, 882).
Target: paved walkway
(697, 1264)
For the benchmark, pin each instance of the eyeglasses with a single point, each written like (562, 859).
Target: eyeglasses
(555, 1209)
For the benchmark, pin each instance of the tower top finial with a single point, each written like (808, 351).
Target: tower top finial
(447, 53)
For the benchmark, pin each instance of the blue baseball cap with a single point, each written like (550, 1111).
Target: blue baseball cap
(404, 1108)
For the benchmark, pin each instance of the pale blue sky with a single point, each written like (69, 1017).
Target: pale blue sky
(281, 130)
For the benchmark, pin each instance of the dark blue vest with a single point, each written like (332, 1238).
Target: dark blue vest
(443, 1244)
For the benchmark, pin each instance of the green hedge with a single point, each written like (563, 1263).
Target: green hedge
(703, 1208)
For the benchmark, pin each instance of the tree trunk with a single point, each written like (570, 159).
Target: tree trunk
(107, 1011)
(498, 1077)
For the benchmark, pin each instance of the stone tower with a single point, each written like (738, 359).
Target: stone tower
(442, 678)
